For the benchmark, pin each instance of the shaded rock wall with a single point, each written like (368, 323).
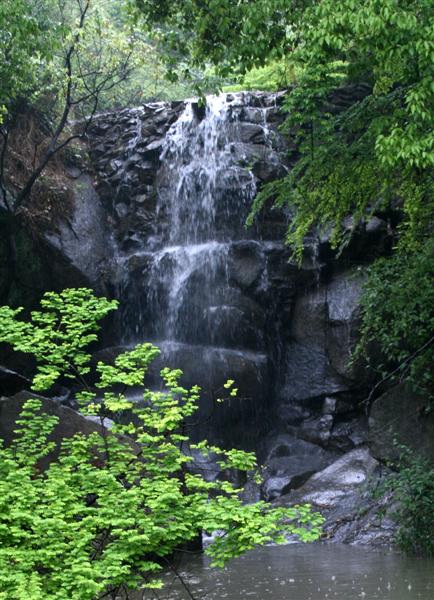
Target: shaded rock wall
(158, 221)
(177, 181)
(398, 417)
(29, 265)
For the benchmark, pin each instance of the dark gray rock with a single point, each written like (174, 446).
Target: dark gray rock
(246, 263)
(233, 327)
(84, 239)
(341, 494)
(399, 415)
(11, 382)
(289, 462)
(346, 435)
(252, 133)
(327, 317)
(309, 376)
(268, 171)
(317, 430)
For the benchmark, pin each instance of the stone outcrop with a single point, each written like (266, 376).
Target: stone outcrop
(342, 492)
(242, 309)
(290, 461)
(158, 221)
(84, 239)
(70, 421)
(30, 265)
(398, 418)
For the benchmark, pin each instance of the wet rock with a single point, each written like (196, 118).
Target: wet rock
(152, 150)
(341, 493)
(317, 431)
(252, 133)
(30, 264)
(309, 322)
(246, 155)
(329, 406)
(246, 263)
(289, 462)
(268, 171)
(84, 239)
(327, 317)
(328, 487)
(347, 435)
(254, 115)
(232, 327)
(199, 110)
(309, 376)
(291, 414)
(121, 210)
(399, 415)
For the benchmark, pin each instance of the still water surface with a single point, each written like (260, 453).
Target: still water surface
(306, 572)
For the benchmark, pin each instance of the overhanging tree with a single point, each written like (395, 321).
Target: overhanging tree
(109, 512)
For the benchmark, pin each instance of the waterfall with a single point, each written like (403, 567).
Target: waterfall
(223, 302)
(200, 189)
(196, 282)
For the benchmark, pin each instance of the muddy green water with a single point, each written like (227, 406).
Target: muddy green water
(306, 572)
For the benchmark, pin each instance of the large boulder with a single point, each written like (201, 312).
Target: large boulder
(398, 415)
(30, 265)
(327, 317)
(70, 421)
(341, 494)
(83, 239)
(289, 462)
(322, 333)
(329, 487)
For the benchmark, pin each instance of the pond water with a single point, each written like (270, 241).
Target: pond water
(305, 572)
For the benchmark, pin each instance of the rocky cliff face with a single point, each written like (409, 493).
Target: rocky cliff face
(159, 222)
(223, 301)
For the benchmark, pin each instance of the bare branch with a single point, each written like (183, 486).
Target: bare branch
(404, 365)
(4, 132)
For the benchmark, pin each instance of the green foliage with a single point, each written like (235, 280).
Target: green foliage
(109, 512)
(397, 308)
(38, 66)
(229, 35)
(269, 78)
(25, 47)
(112, 57)
(57, 335)
(413, 490)
(148, 77)
(377, 152)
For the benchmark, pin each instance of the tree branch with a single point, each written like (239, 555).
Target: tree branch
(4, 132)
(404, 364)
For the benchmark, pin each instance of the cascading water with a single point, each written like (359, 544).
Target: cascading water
(225, 302)
(195, 285)
(200, 191)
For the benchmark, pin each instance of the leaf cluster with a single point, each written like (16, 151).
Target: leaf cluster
(58, 335)
(412, 486)
(111, 510)
(398, 317)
